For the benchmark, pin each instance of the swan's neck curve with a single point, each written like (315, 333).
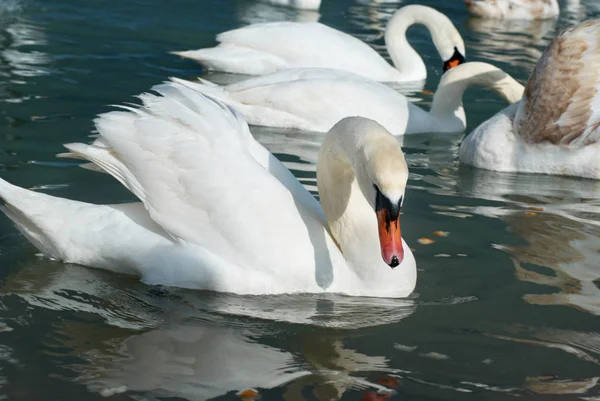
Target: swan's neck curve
(404, 56)
(348, 154)
(447, 108)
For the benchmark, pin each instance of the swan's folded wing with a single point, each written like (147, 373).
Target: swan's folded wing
(204, 179)
(561, 103)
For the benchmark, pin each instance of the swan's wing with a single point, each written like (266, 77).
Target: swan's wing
(561, 103)
(264, 48)
(204, 179)
(295, 98)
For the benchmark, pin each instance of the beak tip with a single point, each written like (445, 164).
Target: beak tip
(394, 262)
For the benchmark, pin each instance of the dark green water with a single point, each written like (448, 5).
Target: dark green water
(506, 305)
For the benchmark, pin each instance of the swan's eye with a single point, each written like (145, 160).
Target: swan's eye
(383, 202)
(456, 60)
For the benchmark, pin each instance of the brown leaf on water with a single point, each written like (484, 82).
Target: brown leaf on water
(426, 92)
(530, 214)
(537, 209)
(441, 233)
(425, 241)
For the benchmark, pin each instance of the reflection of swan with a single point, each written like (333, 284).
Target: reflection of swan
(217, 231)
(192, 344)
(256, 12)
(191, 361)
(554, 128)
(199, 362)
(562, 236)
(294, 99)
(511, 42)
(266, 48)
(513, 9)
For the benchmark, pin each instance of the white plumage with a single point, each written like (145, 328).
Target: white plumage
(217, 210)
(270, 47)
(315, 99)
(554, 129)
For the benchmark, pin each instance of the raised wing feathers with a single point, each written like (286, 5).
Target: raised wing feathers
(560, 97)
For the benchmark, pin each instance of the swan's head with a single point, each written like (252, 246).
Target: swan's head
(362, 176)
(382, 180)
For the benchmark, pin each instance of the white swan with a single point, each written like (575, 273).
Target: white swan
(219, 212)
(555, 128)
(266, 48)
(513, 9)
(315, 99)
(299, 4)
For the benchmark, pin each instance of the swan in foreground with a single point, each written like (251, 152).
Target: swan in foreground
(554, 129)
(513, 9)
(315, 99)
(219, 212)
(261, 49)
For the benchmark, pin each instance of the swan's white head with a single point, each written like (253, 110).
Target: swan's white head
(362, 176)
(387, 173)
(446, 38)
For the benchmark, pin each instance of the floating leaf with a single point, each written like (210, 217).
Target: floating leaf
(425, 241)
(530, 214)
(441, 233)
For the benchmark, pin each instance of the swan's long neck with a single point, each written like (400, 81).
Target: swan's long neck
(405, 58)
(447, 107)
(349, 151)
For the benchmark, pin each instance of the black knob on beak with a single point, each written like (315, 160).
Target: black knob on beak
(394, 262)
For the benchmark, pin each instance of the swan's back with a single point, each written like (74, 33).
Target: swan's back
(513, 9)
(561, 104)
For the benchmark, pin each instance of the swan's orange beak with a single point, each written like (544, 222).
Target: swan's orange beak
(390, 238)
(454, 61)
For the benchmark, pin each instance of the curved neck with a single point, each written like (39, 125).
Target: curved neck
(405, 58)
(348, 154)
(447, 107)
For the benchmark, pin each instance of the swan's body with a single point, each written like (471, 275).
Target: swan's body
(315, 99)
(554, 129)
(261, 49)
(299, 4)
(219, 212)
(513, 9)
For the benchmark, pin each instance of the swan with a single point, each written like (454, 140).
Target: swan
(554, 128)
(261, 49)
(315, 99)
(217, 211)
(513, 9)
(299, 4)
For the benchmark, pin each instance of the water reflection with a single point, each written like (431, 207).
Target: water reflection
(513, 42)
(198, 345)
(20, 57)
(559, 219)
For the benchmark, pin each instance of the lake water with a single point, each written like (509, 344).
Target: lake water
(507, 304)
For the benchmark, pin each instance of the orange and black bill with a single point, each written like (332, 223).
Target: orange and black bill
(456, 60)
(390, 236)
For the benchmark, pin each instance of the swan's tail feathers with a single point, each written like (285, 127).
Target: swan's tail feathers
(235, 60)
(32, 213)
